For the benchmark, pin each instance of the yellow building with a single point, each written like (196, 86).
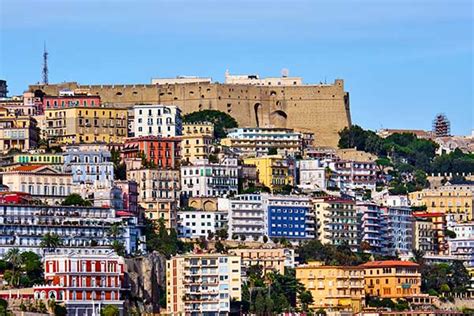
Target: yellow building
(449, 199)
(202, 284)
(17, 131)
(337, 287)
(273, 170)
(196, 142)
(392, 279)
(86, 125)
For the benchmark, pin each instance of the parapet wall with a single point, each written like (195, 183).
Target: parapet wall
(321, 109)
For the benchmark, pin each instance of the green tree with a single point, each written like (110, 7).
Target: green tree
(13, 256)
(269, 305)
(259, 304)
(272, 151)
(222, 234)
(115, 230)
(110, 310)
(75, 199)
(50, 241)
(60, 310)
(265, 238)
(166, 242)
(118, 247)
(221, 120)
(306, 299)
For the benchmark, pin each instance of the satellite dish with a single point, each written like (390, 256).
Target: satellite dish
(285, 72)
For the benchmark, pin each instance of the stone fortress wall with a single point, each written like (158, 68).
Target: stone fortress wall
(322, 109)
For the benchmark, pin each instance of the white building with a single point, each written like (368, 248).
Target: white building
(284, 80)
(354, 177)
(198, 223)
(209, 179)
(257, 141)
(400, 229)
(157, 120)
(312, 174)
(246, 217)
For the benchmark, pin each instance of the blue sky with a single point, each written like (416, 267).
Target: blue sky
(403, 61)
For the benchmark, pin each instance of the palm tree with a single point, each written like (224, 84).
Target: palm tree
(13, 256)
(51, 241)
(115, 230)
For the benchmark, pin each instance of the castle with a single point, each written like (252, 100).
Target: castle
(322, 109)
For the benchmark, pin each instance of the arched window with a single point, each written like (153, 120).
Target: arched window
(102, 296)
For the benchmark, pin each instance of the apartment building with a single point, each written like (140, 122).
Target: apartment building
(373, 227)
(198, 223)
(207, 179)
(202, 284)
(392, 279)
(354, 176)
(84, 281)
(86, 125)
(258, 141)
(456, 200)
(23, 227)
(196, 142)
(247, 217)
(158, 193)
(289, 217)
(157, 120)
(312, 174)
(336, 221)
(424, 235)
(39, 158)
(163, 152)
(17, 131)
(89, 164)
(400, 229)
(333, 287)
(273, 171)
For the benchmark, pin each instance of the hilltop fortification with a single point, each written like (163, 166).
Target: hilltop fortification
(319, 108)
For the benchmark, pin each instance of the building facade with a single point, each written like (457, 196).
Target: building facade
(333, 287)
(312, 174)
(271, 259)
(400, 229)
(273, 171)
(289, 217)
(162, 152)
(84, 281)
(17, 131)
(247, 217)
(258, 141)
(196, 142)
(86, 125)
(207, 179)
(373, 228)
(392, 279)
(157, 120)
(336, 221)
(202, 284)
(41, 181)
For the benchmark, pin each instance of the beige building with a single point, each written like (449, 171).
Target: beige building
(449, 199)
(424, 234)
(336, 287)
(202, 284)
(196, 142)
(18, 132)
(336, 221)
(158, 193)
(86, 125)
(271, 260)
(41, 181)
(322, 109)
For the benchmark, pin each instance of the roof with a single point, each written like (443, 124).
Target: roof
(28, 168)
(389, 263)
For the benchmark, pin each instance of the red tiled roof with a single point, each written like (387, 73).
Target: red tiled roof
(389, 263)
(427, 214)
(28, 168)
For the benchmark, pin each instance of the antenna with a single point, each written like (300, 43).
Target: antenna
(45, 65)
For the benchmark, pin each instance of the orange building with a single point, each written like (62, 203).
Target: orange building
(164, 152)
(392, 279)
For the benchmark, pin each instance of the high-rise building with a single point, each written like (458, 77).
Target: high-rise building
(202, 284)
